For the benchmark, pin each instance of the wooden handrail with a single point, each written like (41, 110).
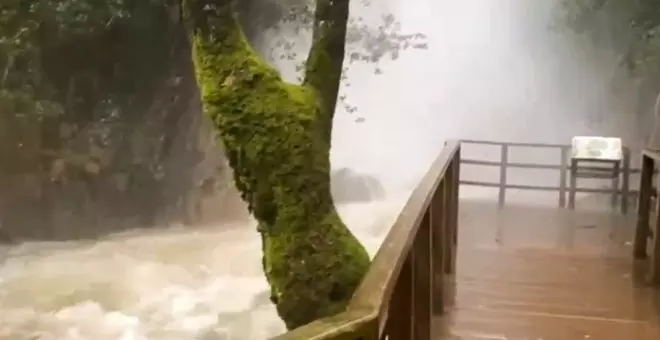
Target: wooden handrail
(563, 168)
(404, 286)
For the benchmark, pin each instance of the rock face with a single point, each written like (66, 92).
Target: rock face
(349, 185)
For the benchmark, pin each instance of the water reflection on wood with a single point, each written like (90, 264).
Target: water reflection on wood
(542, 273)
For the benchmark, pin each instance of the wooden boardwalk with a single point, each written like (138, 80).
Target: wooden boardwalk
(521, 273)
(528, 273)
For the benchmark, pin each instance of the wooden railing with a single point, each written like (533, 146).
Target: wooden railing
(562, 167)
(404, 286)
(648, 228)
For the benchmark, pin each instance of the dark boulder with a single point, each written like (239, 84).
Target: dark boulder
(349, 185)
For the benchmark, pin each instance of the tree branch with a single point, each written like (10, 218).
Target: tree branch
(223, 58)
(212, 19)
(326, 57)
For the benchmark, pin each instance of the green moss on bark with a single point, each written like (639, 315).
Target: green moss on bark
(275, 136)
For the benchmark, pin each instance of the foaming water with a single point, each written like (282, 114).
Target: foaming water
(161, 284)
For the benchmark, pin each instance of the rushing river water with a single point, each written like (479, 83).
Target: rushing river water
(173, 284)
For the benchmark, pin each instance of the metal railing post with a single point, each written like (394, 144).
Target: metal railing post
(504, 160)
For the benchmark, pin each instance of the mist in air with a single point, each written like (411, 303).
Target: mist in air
(495, 70)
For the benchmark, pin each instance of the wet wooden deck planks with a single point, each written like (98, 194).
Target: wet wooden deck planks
(528, 273)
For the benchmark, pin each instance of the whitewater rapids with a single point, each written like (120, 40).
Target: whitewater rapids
(172, 284)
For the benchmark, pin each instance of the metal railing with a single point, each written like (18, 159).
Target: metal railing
(563, 167)
(404, 286)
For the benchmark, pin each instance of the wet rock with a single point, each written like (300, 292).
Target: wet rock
(349, 185)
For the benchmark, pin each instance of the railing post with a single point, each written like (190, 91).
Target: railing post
(625, 181)
(457, 194)
(438, 226)
(572, 190)
(446, 224)
(423, 272)
(452, 205)
(563, 169)
(504, 159)
(616, 176)
(653, 275)
(400, 321)
(643, 208)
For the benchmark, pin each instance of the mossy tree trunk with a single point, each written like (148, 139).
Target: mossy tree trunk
(277, 139)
